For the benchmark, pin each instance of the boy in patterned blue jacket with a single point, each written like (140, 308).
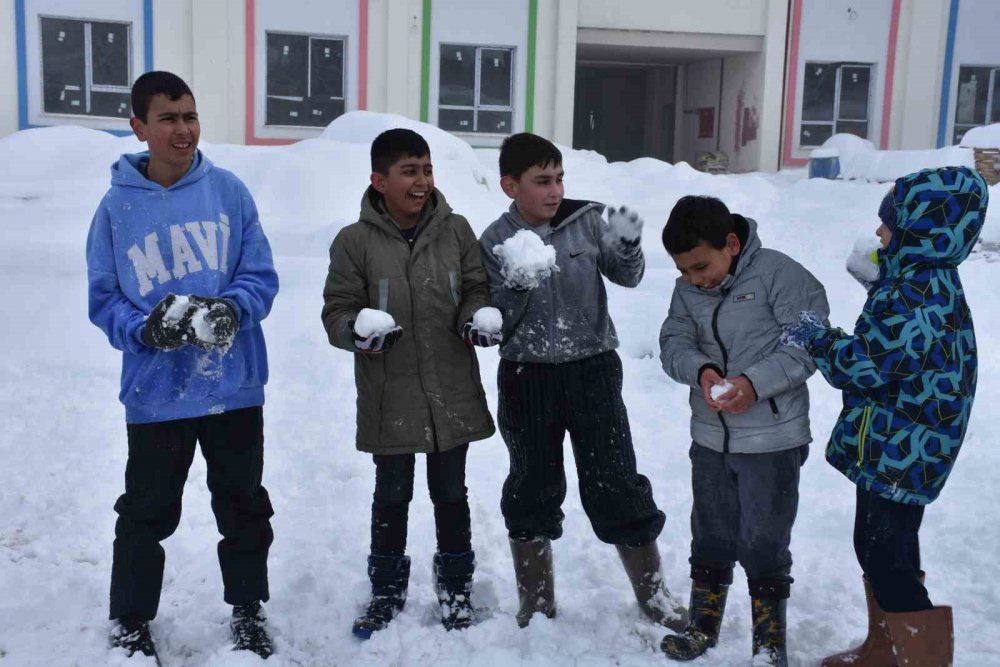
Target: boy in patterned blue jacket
(908, 373)
(180, 276)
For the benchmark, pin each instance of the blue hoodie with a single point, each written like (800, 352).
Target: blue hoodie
(199, 236)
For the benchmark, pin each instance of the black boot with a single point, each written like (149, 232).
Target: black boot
(535, 580)
(769, 627)
(249, 627)
(642, 565)
(453, 573)
(390, 575)
(133, 636)
(708, 604)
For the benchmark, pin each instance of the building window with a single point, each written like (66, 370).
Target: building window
(978, 98)
(86, 67)
(835, 99)
(305, 79)
(476, 89)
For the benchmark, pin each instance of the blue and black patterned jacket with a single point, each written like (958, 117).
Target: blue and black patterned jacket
(908, 372)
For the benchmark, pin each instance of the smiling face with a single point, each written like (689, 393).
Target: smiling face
(537, 193)
(406, 188)
(171, 131)
(705, 266)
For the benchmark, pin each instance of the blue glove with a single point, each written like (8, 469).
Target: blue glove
(797, 335)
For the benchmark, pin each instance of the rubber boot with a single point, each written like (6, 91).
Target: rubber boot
(249, 628)
(535, 579)
(708, 604)
(642, 565)
(876, 649)
(390, 576)
(453, 574)
(769, 630)
(134, 637)
(923, 638)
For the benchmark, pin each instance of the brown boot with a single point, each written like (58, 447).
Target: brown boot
(535, 580)
(642, 564)
(923, 638)
(876, 650)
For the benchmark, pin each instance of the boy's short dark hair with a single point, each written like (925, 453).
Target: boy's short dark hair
(393, 145)
(151, 84)
(520, 152)
(696, 219)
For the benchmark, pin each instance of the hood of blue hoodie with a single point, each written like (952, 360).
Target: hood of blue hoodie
(939, 215)
(127, 172)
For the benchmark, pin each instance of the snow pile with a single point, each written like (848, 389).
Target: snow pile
(373, 322)
(525, 260)
(488, 320)
(987, 136)
(861, 161)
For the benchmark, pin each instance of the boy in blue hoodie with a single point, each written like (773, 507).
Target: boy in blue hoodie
(180, 276)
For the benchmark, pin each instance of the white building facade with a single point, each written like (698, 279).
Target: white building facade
(762, 82)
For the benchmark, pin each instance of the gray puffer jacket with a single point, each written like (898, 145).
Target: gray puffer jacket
(566, 317)
(735, 327)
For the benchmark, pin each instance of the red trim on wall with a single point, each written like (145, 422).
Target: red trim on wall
(250, 137)
(793, 77)
(890, 72)
(363, 54)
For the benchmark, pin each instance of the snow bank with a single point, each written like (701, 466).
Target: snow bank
(987, 136)
(861, 161)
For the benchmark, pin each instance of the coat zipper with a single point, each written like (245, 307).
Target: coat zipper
(725, 364)
(866, 418)
(774, 407)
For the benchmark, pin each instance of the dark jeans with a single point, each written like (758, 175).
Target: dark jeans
(888, 549)
(538, 404)
(159, 456)
(744, 508)
(394, 491)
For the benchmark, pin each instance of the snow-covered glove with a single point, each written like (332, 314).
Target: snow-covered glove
(473, 336)
(214, 323)
(862, 264)
(797, 335)
(167, 327)
(377, 342)
(624, 229)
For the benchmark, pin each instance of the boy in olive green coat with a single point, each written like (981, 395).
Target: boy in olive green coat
(416, 264)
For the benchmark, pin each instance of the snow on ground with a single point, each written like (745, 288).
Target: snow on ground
(63, 445)
(860, 160)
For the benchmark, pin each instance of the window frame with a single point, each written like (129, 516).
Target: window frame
(477, 88)
(88, 68)
(310, 36)
(991, 100)
(832, 123)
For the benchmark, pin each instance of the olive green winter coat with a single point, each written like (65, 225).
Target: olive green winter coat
(424, 394)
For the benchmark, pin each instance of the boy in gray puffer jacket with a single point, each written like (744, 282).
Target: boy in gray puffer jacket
(750, 414)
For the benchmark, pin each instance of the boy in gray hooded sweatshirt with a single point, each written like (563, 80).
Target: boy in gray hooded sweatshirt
(559, 372)
(749, 414)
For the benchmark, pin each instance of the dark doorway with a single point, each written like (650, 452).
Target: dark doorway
(610, 112)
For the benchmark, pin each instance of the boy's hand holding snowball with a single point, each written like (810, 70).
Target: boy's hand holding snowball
(205, 322)
(375, 331)
(525, 260)
(734, 395)
(483, 330)
(624, 229)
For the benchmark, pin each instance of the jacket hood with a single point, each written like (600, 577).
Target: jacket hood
(570, 210)
(939, 215)
(127, 172)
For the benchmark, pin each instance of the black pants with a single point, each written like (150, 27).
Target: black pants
(744, 508)
(538, 404)
(888, 549)
(159, 456)
(394, 491)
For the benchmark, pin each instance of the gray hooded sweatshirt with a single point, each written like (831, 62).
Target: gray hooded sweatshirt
(566, 317)
(735, 327)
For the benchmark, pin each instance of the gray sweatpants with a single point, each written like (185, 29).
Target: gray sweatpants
(744, 508)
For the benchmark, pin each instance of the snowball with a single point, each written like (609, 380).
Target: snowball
(488, 320)
(371, 321)
(177, 309)
(863, 260)
(202, 329)
(525, 259)
(718, 390)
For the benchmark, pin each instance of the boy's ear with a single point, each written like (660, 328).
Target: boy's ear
(138, 128)
(733, 245)
(509, 186)
(378, 182)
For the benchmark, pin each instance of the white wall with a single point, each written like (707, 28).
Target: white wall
(736, 17)
(394, 51)
(328, 18)
(8, 69)
(481, 23)
(742, 101)
(770, 116)
(844, 30)
(701, 90)
(173, 48)
(920, 51)
(977, 42)
(109, 10)
(219, 68)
